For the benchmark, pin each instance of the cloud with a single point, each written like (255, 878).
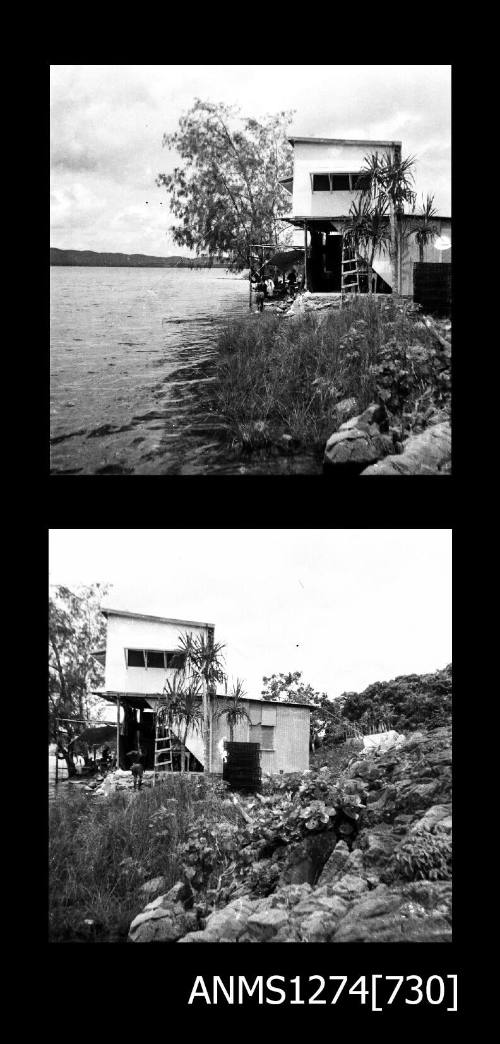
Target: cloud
(108, 121)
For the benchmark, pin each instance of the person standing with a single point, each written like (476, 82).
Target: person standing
(292, 276)
(260, 291)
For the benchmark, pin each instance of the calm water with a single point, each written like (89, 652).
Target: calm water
(131, 352)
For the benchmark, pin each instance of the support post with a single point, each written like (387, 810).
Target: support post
(57, 750)
(306, 285)
(117, 731)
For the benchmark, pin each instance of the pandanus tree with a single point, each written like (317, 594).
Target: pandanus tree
(388, 180)
(369, 231)
(425, 232)
(233, 710)
(184, 709)
(204, 663)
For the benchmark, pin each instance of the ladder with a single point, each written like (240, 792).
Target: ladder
(163, 743)
(350, 271)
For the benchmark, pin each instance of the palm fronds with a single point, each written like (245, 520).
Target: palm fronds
(204, 658)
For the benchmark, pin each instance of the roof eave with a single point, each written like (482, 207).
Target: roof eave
(150, 616)
(340, 141)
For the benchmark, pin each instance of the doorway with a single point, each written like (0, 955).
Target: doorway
(326, 262)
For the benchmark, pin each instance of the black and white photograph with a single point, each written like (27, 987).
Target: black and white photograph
(250, 270)
(250, 737)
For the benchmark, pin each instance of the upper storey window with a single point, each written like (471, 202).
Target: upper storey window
(335, 182)
(151, 658)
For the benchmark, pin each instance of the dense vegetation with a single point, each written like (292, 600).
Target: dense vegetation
(279, 380)
(405, 703)
(102, 850)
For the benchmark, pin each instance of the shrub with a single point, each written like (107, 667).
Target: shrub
(422, 857)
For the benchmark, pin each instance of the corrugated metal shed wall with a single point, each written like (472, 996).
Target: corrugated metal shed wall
(290, 740)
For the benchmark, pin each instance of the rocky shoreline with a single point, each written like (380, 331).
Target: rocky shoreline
(360, 856)
(403, 356)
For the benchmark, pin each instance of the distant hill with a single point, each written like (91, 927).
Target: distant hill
(102, 260)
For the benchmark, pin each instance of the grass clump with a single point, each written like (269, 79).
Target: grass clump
(280, 379)
(102, 850)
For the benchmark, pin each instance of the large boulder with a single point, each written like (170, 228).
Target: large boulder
(306, 859)
(164, 922)
(166, 918)
(359, 441)
(426, 454)
(417, 912)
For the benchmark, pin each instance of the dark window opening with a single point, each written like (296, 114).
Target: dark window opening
(155, 659)
(135, 658)
(321, 183)
(176, 661)
(340, 182)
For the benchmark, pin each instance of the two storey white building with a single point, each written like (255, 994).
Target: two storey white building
(323, 187)
(141, 653)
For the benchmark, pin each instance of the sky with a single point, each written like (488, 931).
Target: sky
(347, 607)
(108, 121)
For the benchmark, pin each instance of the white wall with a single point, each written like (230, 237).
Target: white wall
(315, 158)
(124, 632)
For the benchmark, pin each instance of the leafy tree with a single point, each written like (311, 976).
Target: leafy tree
(227, 193)
(76, 628)
(406, 702)
(289, 688)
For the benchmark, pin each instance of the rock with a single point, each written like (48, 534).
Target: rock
(335, 864)
(400, 914)
(291, 895)
(374, 414)
(355, 446)
(230, 922)
(437, 818)
(426, 454)
(359, 441)
(345, 409)
(181, 892)
(264, 924)
(158, 923)
(152, 887)
(306, 858)
(350, 886)
(382, 741)
(164, 919)
(378, 846)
